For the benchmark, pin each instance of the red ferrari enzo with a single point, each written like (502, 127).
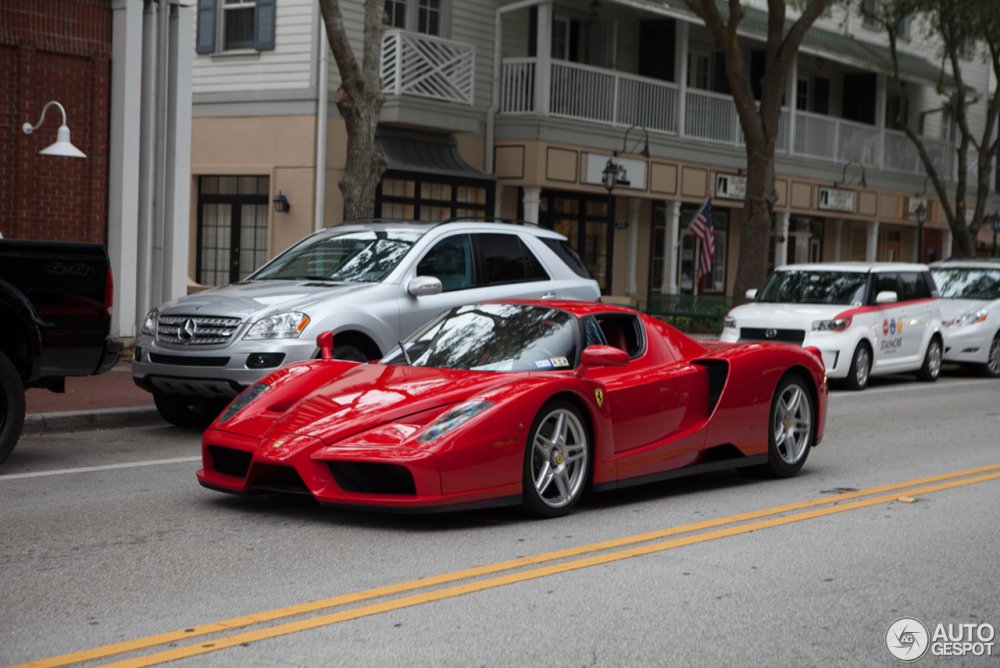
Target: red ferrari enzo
(529, 402)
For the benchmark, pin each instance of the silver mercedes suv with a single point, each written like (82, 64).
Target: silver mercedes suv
(371, 284)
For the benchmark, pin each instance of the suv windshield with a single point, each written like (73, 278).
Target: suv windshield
(815, 287)
(493, 337)
(967, 282)
(356, 257)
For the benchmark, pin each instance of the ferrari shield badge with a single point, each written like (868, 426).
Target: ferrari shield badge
(599, 397)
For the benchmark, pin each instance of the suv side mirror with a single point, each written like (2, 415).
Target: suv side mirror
(751, 294)
(422, 286)
(886, 297)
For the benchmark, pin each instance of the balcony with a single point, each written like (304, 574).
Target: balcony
(429, 67)
(618, 99)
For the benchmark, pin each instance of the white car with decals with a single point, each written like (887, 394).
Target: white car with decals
(865, 318)
(970, 311)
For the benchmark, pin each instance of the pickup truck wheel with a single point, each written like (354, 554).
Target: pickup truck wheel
(187, 411)
(11, 406)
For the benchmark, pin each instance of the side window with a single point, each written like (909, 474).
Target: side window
(622, 331)
(505, 259)
(885, 283)
(912, 286)
(568, 254)
(450, 260)
(231, 25)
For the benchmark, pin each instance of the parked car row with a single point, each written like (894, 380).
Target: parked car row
(879, 318)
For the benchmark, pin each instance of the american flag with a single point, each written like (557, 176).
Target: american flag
(702, 228)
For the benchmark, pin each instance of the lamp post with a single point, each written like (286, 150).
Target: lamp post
(921, 215)
(612, 175)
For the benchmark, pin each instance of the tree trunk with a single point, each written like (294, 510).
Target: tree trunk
(758, 210)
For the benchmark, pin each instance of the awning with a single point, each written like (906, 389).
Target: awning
(425, 153)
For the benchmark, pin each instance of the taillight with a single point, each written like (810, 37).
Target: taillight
(109, 292)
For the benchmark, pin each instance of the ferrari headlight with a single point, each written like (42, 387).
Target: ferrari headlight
(453, 419)
(968, 318)
(280, 326)
(244, 399)
(149, 324)
(729, 322)
(835, 325)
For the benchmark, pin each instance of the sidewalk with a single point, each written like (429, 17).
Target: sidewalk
(91, 402)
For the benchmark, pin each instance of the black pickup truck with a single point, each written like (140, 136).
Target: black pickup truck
(55, 317)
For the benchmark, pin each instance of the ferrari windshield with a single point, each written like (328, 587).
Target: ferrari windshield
(357, 257)
(815, 287)
(967, 282)
(493, 337)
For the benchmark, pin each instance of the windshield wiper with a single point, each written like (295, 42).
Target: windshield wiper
(406, 355)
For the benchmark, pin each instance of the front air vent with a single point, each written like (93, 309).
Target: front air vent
(778, 335)
(183, 360)
(373, 478)
(195, 330)
(228, 461)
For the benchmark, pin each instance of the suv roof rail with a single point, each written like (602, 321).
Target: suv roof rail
(489, 219)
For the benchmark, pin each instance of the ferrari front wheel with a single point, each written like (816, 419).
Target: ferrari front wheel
(556, 460)
(791, 427)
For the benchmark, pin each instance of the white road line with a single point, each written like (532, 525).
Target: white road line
(106, 467)
(915, 385)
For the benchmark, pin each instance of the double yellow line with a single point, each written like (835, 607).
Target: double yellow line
(503, 573)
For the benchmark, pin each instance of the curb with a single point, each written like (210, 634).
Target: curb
(106, 418)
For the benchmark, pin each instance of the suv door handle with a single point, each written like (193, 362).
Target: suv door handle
(549, 295)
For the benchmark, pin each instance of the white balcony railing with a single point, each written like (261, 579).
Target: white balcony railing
(609, 97)
(425, 66)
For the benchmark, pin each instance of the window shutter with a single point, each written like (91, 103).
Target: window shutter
(205, 42)
(263, 29)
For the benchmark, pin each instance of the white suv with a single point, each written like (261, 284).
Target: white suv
(371, 284)
(865, 318)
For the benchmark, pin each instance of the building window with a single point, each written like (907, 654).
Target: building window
(235, 25)
(714, 282)
(429, 17)
(869, 10)
(584, 221)
(232, 227)
(404, 196)
(560, 38)
(395, 13)
(699, 73)
(802, 94)
(423, 16)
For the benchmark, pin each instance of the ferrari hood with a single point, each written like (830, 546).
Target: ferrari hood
(371, 395)
(259, 298)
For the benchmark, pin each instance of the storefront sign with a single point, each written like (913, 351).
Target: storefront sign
(730, 186)
(633, 179)
(833, 199)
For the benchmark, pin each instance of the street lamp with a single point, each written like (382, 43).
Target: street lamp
(613, 175)
(62, 147)
(920, 213)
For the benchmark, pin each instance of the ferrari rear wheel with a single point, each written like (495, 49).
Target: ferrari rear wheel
(556, 460)
(792, 427)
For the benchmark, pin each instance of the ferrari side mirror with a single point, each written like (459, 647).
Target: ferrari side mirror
(324, 341)
(602, 356)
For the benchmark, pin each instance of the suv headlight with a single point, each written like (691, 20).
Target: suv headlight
(835, 325)
(280, 326)
(968, 318)
(149, 324)
(729, 322)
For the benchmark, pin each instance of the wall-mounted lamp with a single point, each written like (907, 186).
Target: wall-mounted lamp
(281, 203)
(645, 147)
(614, 175)
(62, 147)
(843, 175)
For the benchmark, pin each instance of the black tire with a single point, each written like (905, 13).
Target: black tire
(930, 370)
(992, 367)
(791, 427)
(572, 460)
(349, 353)
(861, 368)
(11, 406)
(187, 412)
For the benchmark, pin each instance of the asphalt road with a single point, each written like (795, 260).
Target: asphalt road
(105, 538)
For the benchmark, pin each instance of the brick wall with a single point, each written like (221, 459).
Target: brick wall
(54, 50)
